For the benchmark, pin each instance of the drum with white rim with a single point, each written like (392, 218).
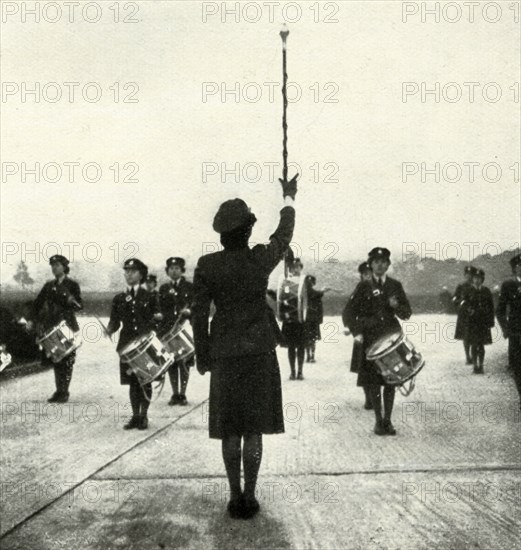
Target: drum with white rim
(148, 357)
(292, 298)
(59, 342)
(397, 359)
(179, 342)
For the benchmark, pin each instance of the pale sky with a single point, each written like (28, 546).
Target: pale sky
(170, 53)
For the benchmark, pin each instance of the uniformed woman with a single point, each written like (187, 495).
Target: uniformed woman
(509, 316)
(137, 311)
(479, 308)
(293, 333)
(175, 299)
(314, 317)
(459, 301)
(376, 307)
(357, 355)
(58, 301)
(239, 350)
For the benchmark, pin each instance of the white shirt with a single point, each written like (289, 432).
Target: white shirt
(135, 287)
(382, 277)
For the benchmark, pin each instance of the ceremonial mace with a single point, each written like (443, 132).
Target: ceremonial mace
(284, 35)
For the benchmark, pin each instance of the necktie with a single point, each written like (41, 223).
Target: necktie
(132, 293)
(380, 284)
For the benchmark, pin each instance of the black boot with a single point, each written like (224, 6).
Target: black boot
(134, 422)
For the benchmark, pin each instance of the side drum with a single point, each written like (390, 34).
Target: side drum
(292, 299)
(147, 357)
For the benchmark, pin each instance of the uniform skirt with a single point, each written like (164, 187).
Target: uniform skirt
(245, 396)
(369, 375)
(479, 334)
(462, 328)
(293, 334)
(312, 332)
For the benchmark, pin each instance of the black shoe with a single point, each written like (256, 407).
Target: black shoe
(132, 423)
(62, 397)
(143, 423)
(182, 400)
(389, 428)
(53, 398)
(469, 361)
(235, 507)
(368, 406)
(250, 508)
(300, 376)
(174, 400)
(312, 360)
(379, 428)
(292, 376)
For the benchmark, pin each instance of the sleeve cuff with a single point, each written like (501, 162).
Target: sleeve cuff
(288, 201)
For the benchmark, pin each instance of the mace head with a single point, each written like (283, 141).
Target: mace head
(284, 32)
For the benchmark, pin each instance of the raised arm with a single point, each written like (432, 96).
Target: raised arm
(279, 241)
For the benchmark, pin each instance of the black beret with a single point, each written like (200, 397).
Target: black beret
(516, 260)
(379, 252)
(134, 263)
(364, 267)
(470, 269)
(152, 278)
(176, 261)
(312, 279)
(60, 259)
(232, 214)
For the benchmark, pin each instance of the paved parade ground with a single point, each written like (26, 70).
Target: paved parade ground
(73, 478)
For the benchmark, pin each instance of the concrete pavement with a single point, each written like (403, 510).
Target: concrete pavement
(449, 479)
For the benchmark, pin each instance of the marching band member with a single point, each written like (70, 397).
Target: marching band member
(151, 285)
(480, 314)
(459, 301)
(245, 385)
(509, 316)
(58, 301)
(175, 298)
(357, 355)
(376, 306)
(137, 311)
(314, 317)
(294, 337)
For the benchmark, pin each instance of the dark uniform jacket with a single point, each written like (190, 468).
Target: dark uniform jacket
(479, 309)
(236, 281)
(459, 299)
(315, 313)
(508, 310)
(348, 318)
(136, 315)
(173, 298)
(373, 316)
(52, 305)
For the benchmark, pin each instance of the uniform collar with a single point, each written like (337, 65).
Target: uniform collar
(58, 281)
(177, 282)
(135, 287)
(383, 277)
